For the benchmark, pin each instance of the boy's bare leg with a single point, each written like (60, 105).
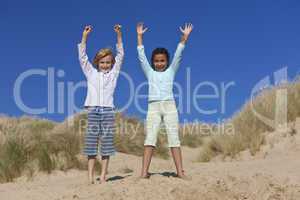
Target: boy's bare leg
(148, 152)
(91, 168)
(104, 167)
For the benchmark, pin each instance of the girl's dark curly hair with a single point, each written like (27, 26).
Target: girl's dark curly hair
(160, 50)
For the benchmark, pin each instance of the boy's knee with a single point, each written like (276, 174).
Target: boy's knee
(91, 157)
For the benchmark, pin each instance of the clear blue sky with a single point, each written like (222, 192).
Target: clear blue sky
(233, 40)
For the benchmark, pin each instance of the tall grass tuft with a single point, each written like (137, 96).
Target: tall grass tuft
(14, 157)
(248, 128)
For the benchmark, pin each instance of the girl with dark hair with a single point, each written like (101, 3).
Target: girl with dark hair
(161, 107)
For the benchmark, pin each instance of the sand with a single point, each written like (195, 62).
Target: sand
(274, 173)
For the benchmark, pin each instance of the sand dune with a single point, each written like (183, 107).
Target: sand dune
(272, 174)
(265, 178)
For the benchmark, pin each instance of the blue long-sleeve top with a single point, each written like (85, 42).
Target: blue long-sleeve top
(160, 83)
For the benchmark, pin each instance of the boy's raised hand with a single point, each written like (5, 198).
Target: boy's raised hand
(186, 31)
(140, 29)
(117, 28)
(87, 30)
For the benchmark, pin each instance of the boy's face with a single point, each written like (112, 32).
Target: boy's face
(105, 63)
(160, 62)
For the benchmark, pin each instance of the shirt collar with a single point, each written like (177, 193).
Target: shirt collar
(103, 71)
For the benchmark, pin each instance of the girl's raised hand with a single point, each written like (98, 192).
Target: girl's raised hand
(117, 28)
(187, 29)
(140, 29)
(87, 30)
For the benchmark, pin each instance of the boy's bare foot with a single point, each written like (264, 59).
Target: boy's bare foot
(91, 183)
(91, 180)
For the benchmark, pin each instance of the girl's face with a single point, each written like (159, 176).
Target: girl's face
(160, 62)
(105, 63)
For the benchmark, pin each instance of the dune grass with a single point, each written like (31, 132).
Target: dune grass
(193, 134)
(13, 159)
(248, 128)
(29, 145)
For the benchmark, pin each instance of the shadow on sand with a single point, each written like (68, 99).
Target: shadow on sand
(115, 178)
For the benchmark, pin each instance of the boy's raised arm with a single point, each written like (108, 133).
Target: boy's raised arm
(86, 66)
(120, 49)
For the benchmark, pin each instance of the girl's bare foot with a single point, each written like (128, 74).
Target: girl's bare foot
(145, 176)
(103, 179)
(183, 176)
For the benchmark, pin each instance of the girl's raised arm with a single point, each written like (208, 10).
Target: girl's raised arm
(141, 50)
(186, 31)
(86, 66)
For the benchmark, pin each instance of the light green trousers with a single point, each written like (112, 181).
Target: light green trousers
(158, 112)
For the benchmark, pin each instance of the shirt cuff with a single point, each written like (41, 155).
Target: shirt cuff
(140, 47)
(81, 46)
(119, 46)
(180, 45)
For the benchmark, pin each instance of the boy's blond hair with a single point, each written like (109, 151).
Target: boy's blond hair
(103, 53)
